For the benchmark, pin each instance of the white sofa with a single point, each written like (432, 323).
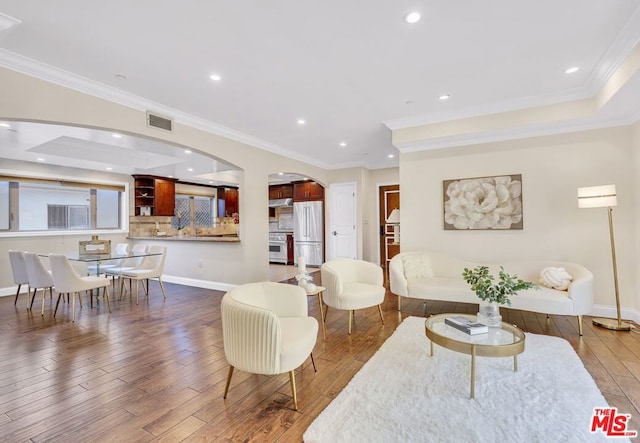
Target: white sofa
(433, 276)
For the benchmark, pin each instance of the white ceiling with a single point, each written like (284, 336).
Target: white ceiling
(351, 69)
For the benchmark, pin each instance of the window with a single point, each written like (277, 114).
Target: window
(194, 211)
(46, 205)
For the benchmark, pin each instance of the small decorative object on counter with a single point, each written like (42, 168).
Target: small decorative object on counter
(305, 280)
(493, 295)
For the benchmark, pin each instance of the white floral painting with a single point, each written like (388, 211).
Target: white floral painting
(483, 203)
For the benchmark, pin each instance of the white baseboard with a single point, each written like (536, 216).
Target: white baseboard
(206, 284)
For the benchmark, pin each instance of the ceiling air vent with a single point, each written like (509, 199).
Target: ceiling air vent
(156, 121)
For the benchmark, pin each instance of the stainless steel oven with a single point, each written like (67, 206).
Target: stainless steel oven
(278, 247)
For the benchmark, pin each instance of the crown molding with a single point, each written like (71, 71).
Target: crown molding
(51, 74)
(512, 134)
(512, 105)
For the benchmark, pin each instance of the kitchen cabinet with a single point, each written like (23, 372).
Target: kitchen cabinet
(280, 191)
(290, 256)
(154, 195)
(307, 191)
(227, 202)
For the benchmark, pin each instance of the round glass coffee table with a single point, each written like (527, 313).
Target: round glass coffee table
(505, 341)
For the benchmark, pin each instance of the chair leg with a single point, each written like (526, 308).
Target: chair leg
(106, 294)
(162, 287)
(292, 379)
(73, 307)
(580, 325)
(57, 303)
(350, 319)
(313, 362)
(226, 388)
(380, 311)
(399, 304)
(32, 298)
(137, 292)
(44, 293)
(17, 293)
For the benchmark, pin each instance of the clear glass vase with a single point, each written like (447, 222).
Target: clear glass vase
(489, 314)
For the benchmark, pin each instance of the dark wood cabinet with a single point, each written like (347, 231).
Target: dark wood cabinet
(307, 191)
(280, 191)
(154, 195)
(289, 249)
(227, 202)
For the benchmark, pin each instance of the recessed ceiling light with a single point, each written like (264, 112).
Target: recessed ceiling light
(40, 159)
(343, 144)
(190, 169)
(120, 77)
(116, 135)
(301, 121)
(187, 151)
(280, 173)
(572, 70)
(109, 169)
(444, 97)
(412, 17)
(390, 155)
(5, 125)
(215, 77)
(210, 182)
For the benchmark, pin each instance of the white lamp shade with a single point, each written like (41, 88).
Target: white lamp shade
(394, 217)
(597, 196)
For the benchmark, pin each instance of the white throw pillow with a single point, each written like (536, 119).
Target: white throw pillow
(556, 278)
(417, 266)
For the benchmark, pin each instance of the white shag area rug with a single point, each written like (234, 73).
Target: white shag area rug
(403, 395)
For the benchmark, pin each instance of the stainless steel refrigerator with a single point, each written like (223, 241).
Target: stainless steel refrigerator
(308, 232)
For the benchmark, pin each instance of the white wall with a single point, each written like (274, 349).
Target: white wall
(552, 169)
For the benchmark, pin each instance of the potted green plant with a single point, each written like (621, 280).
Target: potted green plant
(493, 294)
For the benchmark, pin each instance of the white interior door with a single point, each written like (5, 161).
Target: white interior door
(343, 233)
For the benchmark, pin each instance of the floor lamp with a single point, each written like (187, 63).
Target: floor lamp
(601, 197)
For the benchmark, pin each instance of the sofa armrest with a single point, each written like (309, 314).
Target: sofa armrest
(397, 280)
(581, 289)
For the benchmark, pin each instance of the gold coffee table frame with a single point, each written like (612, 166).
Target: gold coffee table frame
(483, 345)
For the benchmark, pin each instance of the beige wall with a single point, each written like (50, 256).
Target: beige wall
(552, 169)
(27, 98)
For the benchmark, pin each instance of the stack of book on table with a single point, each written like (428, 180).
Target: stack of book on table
(466, 325)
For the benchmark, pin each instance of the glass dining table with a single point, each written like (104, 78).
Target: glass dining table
(98, 259)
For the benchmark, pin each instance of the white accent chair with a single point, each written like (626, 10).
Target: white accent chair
(19, 270)
(352, 284)
(39, 277)
(267, 330)
(68, 281)
(152, 266)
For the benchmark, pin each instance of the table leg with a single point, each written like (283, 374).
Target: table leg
(515, 363)
(430, 348)
(473, 371)
(324, 332)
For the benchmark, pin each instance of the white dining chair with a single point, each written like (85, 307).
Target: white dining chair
(66, 280)
(120, 249)
(39, 277)
(151, 267)
(19, 270)
(127, 264)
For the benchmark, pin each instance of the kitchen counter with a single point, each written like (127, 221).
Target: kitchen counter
(204, 238)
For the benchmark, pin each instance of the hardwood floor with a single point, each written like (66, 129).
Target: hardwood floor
(156, 372)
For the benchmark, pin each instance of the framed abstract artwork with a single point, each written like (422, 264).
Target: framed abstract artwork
(489, 203)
